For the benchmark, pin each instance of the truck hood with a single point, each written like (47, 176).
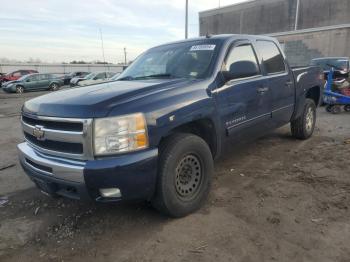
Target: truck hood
(96, 100)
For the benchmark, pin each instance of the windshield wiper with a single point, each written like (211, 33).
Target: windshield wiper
(125, 78)
(154, 76)
(129, 78)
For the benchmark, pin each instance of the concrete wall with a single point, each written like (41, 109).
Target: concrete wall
(301, 48)
(274, 16)
(60, 68)
(254, 17)
(271, 16)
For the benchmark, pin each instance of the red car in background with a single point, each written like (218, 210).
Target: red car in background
(15, 75)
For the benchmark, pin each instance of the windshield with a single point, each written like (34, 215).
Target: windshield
(184, 60)
(90, 76)
(23, 77)
(327, 64)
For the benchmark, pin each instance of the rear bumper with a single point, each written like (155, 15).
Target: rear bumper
(134, 174)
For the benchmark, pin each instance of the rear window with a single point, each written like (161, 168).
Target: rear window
(272, 57)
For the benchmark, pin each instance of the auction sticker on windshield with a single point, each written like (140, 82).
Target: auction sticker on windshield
(202, 47)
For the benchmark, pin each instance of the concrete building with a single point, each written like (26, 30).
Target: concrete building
(306, 28)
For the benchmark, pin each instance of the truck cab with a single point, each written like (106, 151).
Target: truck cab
(155, 132)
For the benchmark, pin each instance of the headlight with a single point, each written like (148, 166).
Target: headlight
(120, 134)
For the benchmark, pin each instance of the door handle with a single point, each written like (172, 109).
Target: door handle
(289, 83)
(262, 90)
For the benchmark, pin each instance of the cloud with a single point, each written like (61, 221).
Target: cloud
(67, 30)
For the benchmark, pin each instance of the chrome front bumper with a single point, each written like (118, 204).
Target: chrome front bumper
(52, 167)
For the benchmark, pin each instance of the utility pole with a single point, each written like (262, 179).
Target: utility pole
(103, 49)
(186, 21)
(297, 15)
(125, 55)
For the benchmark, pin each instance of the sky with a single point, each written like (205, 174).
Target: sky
(66, 30)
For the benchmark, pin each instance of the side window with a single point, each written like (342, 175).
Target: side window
(101, 75)
(42, 77)
(241, 62)
(34, 78)
(272, 57)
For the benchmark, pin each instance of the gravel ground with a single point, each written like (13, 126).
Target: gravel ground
(275, 199)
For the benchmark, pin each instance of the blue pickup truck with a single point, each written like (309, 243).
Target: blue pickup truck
(154, 133)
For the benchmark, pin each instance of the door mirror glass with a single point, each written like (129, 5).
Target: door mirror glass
(241, 69)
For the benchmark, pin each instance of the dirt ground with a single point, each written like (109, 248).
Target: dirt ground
(276, 199)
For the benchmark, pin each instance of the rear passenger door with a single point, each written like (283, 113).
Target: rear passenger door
(280, 81)
(244, 103)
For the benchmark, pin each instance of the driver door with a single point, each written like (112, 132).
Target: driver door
(31, 83)
(244, 103)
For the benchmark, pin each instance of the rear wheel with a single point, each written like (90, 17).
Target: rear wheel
(336, 109)
(303, 126)
(19, 89)
(185, 170)
(54, 87)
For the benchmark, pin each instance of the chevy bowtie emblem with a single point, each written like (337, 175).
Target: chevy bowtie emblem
(38, 132)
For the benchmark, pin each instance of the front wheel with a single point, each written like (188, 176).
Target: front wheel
(184, 176)
(347, 108)
(19, 89)
(303, 127)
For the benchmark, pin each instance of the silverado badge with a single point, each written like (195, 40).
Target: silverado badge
(38, 132)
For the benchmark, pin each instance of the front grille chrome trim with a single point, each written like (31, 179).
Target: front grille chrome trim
(83, 137)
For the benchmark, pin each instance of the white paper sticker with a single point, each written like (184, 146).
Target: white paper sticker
(202, 47)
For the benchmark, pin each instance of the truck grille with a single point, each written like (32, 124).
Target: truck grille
(70, 148)
(64, 137)
(64, 126)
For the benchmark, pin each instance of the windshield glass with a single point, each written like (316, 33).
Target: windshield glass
(90, 76)
(23, 77)
(183, 60)
(327, 64)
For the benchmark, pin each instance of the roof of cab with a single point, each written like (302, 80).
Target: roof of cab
(222, 37)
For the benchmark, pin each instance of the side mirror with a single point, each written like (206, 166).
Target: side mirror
(28, 80)
(241, 69)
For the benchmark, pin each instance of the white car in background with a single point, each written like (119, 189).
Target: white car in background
(96, 78)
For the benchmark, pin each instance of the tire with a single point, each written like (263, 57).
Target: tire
(336, 109)
(303, 127)
(54, 87)
(19, 89)
(347, 108)
(329, 108)
(184, 175)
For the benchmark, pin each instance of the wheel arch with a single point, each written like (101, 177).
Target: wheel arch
(314, 93)
(204, 128)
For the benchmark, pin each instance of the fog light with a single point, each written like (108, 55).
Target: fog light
(110, 192)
